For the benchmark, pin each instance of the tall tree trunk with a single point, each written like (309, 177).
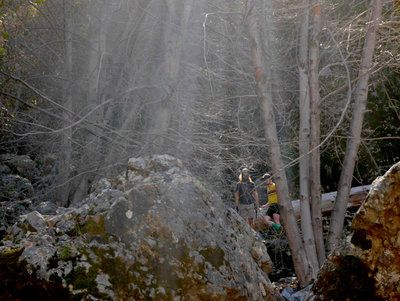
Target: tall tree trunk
(66, 135)
(262, 77)
(316, 132)
(304, 144)
(354, 139)
(95, 71)
(177, 13)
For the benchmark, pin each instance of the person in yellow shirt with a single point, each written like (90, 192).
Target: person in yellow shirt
(272, 218)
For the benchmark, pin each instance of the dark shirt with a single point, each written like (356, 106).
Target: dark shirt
(245, 190)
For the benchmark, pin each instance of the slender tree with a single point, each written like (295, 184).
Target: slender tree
(66, 137)
(354, 139)
(315, 106)
(262, 76)
(304, 143)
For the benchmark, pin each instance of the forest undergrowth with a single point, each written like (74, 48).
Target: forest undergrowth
(279, 251)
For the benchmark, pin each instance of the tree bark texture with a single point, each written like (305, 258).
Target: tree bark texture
(66, 136)
(316, 132)
(262, 77)
(304, 144)
(354, 139)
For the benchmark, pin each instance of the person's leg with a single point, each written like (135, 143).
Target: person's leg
(276, 218)
(267, 219)
(251, 223)
(271, 215)
(247, 212)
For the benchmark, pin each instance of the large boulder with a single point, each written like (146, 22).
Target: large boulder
(367, 264)
(154, 232)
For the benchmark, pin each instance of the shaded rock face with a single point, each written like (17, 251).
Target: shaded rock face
(21, 165)
(367, 265)
(154, 232)
(23, 184)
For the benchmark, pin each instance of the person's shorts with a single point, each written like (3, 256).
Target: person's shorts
(273, 209)
(247, 211)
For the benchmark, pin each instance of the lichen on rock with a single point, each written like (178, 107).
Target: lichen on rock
(153, 232)
(367, 262)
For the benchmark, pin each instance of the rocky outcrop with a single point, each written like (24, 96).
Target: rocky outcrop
(367, 265)
(15, 174)
(24, 185)
(154, 232)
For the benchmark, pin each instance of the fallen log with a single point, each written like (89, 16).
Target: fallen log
(356, 197)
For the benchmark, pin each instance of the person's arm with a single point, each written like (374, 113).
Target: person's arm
(236, 199)
(255, 195)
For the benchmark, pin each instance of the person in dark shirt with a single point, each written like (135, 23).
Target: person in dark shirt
(246, 197)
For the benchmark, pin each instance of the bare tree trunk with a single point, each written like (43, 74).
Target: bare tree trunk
(354, 139)
(172, 71)
(316, 133)
(66, 136)
(304, 144)
(95, 71)
(262, 77)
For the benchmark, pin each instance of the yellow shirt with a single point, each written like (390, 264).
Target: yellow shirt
(272, 196)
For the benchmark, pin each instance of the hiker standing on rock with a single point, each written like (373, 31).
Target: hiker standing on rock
(246, 197)
(273, 212)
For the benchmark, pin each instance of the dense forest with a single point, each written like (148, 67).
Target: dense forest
(306, 90)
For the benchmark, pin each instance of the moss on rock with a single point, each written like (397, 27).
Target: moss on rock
(214, 255)
(18, 284)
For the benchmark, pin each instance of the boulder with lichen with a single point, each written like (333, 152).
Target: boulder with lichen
(366, 266)
(154, 232)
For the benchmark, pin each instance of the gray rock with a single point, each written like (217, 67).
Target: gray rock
(10, 211)
(38, 257)
(14, 187)
(167, 237)
(104, 285)
(35, 221)
(21, 165)
(165, 162)
(47, 208)
(120, 219)
(138, 164)
(4, 169)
